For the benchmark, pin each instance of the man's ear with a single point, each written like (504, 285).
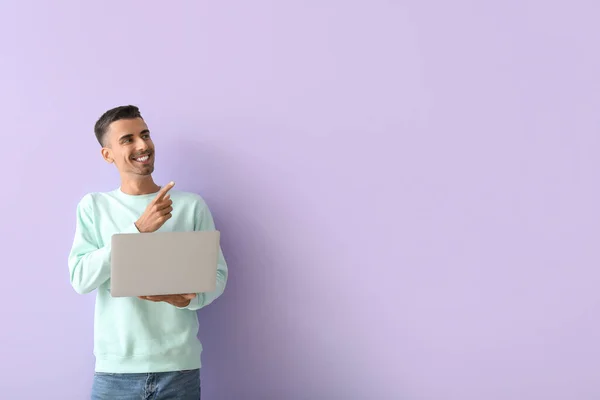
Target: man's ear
(107, 155)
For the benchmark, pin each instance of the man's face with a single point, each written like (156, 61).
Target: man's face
(129, 147)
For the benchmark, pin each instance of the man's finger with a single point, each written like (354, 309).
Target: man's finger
(167, 210)
(189, 296)
(155, 298)
(164, 204)
(149, 298)
(163, 191)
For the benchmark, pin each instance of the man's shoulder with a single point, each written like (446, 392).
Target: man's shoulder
(188, 197)
(91, 198)
(94, 198)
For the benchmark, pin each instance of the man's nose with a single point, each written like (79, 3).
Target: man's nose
(141, 145)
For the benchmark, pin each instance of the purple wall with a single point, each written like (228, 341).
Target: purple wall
(407, 190)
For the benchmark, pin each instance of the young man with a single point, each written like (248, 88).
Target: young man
(147, 347)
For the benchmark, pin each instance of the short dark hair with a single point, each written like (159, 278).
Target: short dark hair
(112, 115)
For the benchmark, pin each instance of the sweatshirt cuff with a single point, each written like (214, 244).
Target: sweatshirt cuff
(194, 303)
(131, 229)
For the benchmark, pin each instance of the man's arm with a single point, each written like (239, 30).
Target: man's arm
(206, 223)
(89, 265)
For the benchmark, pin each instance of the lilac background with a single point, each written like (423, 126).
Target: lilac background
(407, 189)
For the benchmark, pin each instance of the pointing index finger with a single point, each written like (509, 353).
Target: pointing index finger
(163, 191)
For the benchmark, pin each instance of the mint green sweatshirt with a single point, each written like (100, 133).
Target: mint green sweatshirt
(133, 335)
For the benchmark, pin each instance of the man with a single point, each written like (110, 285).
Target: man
(147, 347)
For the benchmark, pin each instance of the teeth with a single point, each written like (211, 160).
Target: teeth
(142, 159)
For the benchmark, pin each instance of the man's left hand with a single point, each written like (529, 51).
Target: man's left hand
(178, 300)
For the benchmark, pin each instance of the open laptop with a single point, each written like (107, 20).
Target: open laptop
(146, 264)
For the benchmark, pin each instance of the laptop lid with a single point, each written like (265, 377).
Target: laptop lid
(146, 264)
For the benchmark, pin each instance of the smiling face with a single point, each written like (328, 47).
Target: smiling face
(128, 145)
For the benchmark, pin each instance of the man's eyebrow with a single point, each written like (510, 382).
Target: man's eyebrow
(130, 135)
(126, 136)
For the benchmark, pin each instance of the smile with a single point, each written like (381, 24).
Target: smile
(143, 159)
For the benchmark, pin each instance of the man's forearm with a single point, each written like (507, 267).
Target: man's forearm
(203, 299)
(89, 270)
(89, 266)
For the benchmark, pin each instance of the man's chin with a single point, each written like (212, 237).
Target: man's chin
(147, 170)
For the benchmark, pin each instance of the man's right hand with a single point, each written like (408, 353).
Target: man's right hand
(157, 212)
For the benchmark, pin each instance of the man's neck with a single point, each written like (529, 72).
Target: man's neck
(139, 186)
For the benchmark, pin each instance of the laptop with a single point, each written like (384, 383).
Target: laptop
(158, 263)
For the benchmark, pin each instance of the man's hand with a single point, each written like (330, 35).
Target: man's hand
(177, 300)
(157, 212)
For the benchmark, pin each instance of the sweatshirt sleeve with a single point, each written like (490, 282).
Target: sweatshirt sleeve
(89, 264)
(206, 223)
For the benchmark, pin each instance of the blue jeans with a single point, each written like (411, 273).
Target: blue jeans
(179, 385)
